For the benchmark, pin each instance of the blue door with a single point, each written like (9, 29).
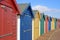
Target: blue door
(49, 24)
(25, 27)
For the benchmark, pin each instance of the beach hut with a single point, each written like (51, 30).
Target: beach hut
(8, 20)
(58, 23)
(52, 24)
(36, 27)
(46, 24)
(25, 21)
(55, 23)
(42, 24)
(49, 23)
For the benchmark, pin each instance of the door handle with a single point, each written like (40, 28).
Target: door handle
(27, 30)
(6, 35)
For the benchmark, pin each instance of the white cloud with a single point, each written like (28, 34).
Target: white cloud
(45, 9)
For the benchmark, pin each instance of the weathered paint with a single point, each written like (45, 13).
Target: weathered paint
(25, 22)
(8, 26)
(49, 24)
(12, 4)
(46, 24)
(52, 24)
(42, 24)
(36, 24)
(8, 20)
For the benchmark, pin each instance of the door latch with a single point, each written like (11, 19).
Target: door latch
(6, 35)
(27, 30)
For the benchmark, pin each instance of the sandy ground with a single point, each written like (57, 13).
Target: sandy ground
(53, 35)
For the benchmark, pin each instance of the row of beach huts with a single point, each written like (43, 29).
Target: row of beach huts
(20, 22)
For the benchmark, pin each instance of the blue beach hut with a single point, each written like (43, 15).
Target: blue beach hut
(25, 21)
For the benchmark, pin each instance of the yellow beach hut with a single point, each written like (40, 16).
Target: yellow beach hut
(36, 25)
(52, 24)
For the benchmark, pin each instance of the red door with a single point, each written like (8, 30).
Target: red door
(58, 23)
(8, 24)
(46, 24)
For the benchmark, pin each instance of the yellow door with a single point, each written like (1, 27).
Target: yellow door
(39, 28)
(52, 24)
(35, 26)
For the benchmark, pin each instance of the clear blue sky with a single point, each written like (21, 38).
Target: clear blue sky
(55, 4)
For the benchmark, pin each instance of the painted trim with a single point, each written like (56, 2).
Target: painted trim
(18, 28)
(33, 29)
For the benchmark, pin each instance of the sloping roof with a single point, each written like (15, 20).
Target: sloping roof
(16, 6)
(46, 17)
(36, 12)
(23, 7)
(50, 18)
